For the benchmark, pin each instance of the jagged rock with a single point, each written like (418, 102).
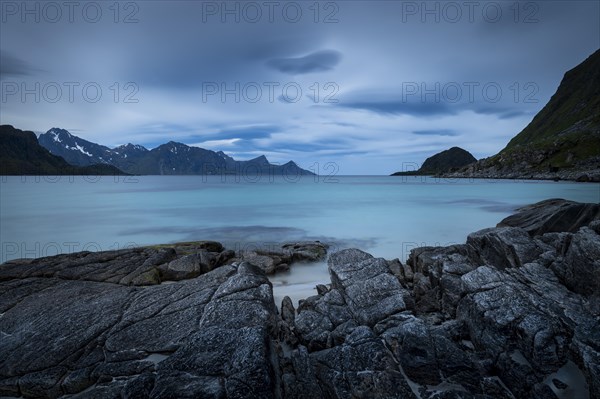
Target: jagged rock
(396, 268)
(595, 225)
(415, 350)
(502, 247)
(224, 257)
(360, 367)
(497, 317)
(368, 286)
(273, 260)
(288, 313)
(301, 382)
(580, 268)
(110, 329)
(553, 215)
(321, 289)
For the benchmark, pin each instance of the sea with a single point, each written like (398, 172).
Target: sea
(386, 216)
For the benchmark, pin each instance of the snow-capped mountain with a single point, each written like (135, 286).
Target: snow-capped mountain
(21, 154)
(171, 158)
(73, 149)
(130, 150)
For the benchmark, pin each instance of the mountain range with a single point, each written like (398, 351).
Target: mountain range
(172, 158)
(21, 154)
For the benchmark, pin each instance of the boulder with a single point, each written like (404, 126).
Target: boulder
(306, 251)
(553, 215)
(503, 247)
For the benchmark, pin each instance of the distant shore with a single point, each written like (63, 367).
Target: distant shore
(576, 176)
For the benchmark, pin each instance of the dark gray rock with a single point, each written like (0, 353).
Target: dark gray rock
(120, 267)
(579, 269)
(369, 288)
(288, 313)
(415, 350)
(553, 215)
(52, 345)
(299, 381)
(361, 367)
(502, 247)
(322, 289)
(266, 263)
(496, 317)
(189, 266)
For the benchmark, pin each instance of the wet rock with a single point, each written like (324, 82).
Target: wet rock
(307, 251)
(189, 266)
(266, 263)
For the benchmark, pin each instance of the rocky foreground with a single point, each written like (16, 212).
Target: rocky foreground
(512, 313)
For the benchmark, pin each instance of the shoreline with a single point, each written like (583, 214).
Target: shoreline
(594, 179)
(510, 312)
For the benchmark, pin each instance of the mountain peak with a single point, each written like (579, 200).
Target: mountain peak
(260, 160)
(443, 162)
(59, 134)
(170, 158)
(562, 140)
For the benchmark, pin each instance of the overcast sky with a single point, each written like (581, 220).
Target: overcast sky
(371, 86)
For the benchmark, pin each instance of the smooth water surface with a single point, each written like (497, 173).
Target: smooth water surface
(386, 216)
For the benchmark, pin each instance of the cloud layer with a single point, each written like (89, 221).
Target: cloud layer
(365, 85)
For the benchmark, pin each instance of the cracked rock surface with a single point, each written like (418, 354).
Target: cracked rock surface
(512, 313)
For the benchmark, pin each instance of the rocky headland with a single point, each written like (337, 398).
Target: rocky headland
(562, 141)
(446, 161)
(512, 313)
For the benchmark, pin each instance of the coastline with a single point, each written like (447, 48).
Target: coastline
(579, 176)
(153, 320)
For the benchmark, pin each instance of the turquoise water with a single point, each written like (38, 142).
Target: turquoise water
(384, 215)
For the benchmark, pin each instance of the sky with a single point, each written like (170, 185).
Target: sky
(367, 87)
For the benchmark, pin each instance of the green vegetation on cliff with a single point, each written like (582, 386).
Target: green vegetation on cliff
(566, 131)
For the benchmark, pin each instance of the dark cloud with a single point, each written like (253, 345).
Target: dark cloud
(401, 107)
(318, 61)
(439, 132)
(13, 66)
(383, 103)
(342, 124)
(502, 112)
